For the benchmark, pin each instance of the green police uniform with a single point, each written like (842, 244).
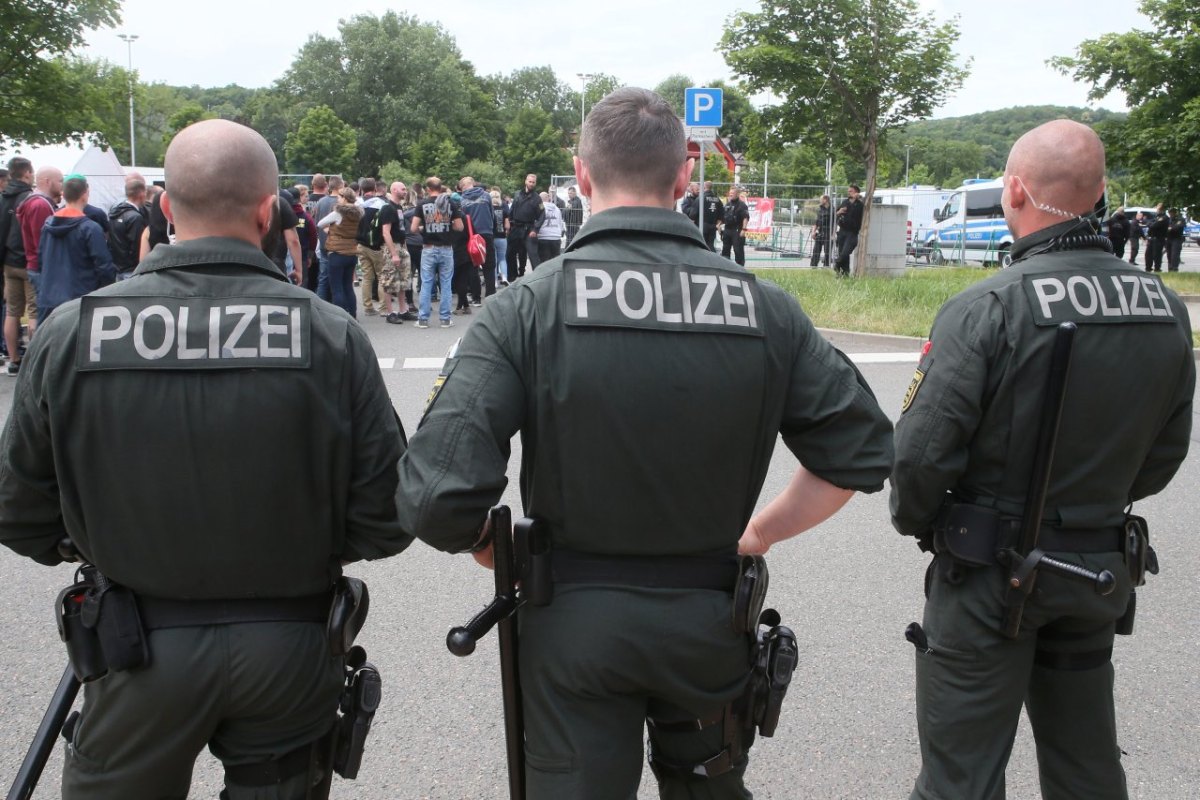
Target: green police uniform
(203, 431)
(968, 428)
(649, 379)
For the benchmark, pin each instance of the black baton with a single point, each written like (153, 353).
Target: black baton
(43, 741)
(1026, 562)
(501, 613)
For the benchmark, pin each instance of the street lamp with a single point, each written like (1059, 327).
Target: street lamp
(129, 39)
(584, 77)
(907, 148)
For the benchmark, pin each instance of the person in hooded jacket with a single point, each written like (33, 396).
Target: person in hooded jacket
(73, 257)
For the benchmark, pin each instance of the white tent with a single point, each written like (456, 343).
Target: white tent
(106, 176)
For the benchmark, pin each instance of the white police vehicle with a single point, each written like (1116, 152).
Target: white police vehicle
(971, 226)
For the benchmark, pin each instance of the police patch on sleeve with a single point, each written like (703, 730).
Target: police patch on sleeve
(915, 385)
(662, 297)
(1108, 298)
(447, 367)
(193, 333)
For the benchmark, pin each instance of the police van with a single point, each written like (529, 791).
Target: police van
(971, 226)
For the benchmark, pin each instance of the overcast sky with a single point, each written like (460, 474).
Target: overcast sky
(220, 42)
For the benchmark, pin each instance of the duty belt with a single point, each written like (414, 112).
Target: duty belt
(719, 572)
(161, 612)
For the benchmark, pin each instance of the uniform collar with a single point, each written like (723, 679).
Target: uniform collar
(209, 250)
(624, 219)
(1071, 227)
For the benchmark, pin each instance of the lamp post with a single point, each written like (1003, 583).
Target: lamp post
(129, 39)
(907, 148)
(584, 77)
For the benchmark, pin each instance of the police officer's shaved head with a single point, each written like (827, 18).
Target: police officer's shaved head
(633, 141)
(1060, 165)
(198, 164)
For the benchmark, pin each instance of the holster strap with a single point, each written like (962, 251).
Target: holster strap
(270, 773)
(652, 572)
(161, 612)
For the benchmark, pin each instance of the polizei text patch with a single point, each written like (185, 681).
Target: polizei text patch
(193, 333)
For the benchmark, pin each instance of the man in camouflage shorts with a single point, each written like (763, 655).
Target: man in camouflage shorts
(396, 276)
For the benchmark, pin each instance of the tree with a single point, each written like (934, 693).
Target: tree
(1159, 72)
(847, 71)
(185, 116)
(34, 76)
(389, 78)
(321, 143)
(532, 145)
(435, 153)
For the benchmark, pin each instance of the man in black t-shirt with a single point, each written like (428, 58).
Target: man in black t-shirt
(438, 216)
(289, 241)
(849, 219)
(524, 218)
(396, 281)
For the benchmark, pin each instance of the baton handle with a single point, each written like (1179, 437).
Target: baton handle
(461, 640)
(43, 741)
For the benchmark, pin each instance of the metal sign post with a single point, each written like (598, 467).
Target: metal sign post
(702, 115)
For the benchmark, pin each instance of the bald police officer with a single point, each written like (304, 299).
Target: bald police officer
(965, 442)
(649, 379)
(220, 442)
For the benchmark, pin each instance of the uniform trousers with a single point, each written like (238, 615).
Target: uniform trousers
(1154, 253)
(250, 692)
(819, 243)
(518, 254)
(972, 685)
(598, 660)
(1134, 244)
(736, 243)
(710, 237)
(1118, 247)
(1174, 250)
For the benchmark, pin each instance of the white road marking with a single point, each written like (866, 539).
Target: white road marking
(857, 358)
(884, 358)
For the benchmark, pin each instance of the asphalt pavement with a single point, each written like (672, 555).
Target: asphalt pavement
(848, 588)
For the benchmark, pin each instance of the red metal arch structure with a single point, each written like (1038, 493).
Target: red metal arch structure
(693, 151)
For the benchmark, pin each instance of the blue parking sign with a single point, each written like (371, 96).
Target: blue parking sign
(702, 107)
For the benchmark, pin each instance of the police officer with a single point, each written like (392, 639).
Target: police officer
(1174, 239)
(1156, 239)
(1118, 232)
(733, 230)
(820, 232)
(964, 439)
(264, 464)
(714, 212)
(689, 206)
(597, 360)
(524, 218)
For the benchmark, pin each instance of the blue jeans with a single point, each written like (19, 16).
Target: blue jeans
(341, 282)
(501, 257)
(323, 291)
(439, 260)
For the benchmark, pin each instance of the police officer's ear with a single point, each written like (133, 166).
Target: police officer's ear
(165, 204)
(265, 212)
(684, 177)
(583, 177)
(1014, 188)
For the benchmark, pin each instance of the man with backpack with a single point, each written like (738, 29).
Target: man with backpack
(371, 261)
(127, 220)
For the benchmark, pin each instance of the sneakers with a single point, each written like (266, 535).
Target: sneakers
(370, 312)
(447, 323)
(15, 366)
(409, 316)
(422, 323)
(394, 318)
(475, 304)
(463, 310)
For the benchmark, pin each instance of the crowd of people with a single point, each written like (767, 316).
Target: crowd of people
(329, 237)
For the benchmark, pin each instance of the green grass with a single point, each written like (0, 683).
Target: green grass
(902, 306)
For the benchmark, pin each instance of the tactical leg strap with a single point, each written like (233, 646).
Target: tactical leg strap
(732, 753)
(310, 759)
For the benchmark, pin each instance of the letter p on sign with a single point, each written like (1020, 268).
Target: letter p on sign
(703, 107)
